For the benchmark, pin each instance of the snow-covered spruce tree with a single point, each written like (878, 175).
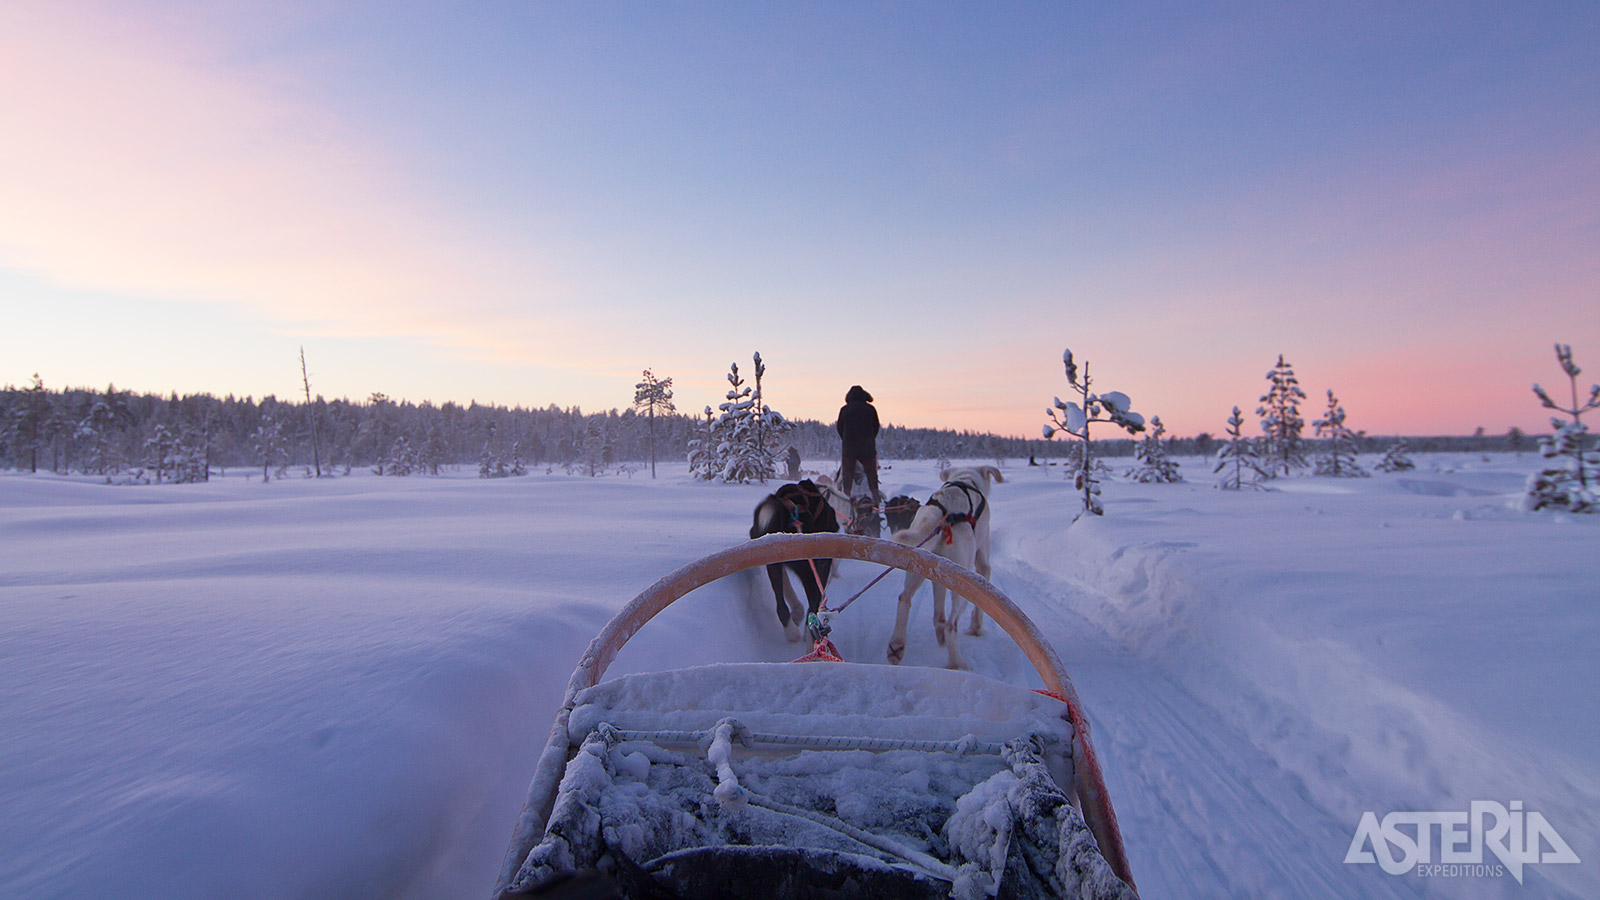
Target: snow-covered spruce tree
(100, 429)
(703, 450)
(159, 449)
(1570, 479)
(743, 439)
(401, 460)
(491, 464)
(597, 450)
(1238, 461)
(270, 446)
(770, 425)
(1074, 418)
(740, 457)
(192, 459)
(1281, 423)
(1396, 459)
(653, 396)
(1153, 465)
(1338, 458)
(433, 452)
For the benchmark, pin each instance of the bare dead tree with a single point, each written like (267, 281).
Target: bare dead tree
(311, 413)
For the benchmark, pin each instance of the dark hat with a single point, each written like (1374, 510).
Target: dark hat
(857, 392)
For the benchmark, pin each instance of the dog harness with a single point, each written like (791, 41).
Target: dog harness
(791, 495)
(975, 510)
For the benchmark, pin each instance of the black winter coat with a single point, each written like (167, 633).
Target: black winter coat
(858, 424)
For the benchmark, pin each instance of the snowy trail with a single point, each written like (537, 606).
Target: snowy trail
(1203, 812)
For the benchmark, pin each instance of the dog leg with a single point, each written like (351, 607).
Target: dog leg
(783, 593)
(975, 624)
(808, 580)
(797, 613)
(897, 642)
(940, 625)
(957, 606)
(981, 564)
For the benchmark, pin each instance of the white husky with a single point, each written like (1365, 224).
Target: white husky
(960, 508)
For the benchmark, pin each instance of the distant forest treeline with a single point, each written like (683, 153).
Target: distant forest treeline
(185, 438)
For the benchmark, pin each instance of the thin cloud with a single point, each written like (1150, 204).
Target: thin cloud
(133, 165)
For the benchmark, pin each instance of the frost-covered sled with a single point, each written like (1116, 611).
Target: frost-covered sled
(782, 780)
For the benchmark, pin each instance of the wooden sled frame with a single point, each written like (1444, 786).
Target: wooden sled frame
(1098, 812)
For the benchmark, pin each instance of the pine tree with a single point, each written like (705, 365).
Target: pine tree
(29, 420)
(1238, 458)
(59, 429)
(1396, 459)
(374, 435)
(596, 446)
(1153, 463)
(653, 396)
(1571, 476)
(1339, 458)
(1074, 419)
(1281, 423)
(1514, 437)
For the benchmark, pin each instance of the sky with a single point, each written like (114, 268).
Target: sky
(529, 203)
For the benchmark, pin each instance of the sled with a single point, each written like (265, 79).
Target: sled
(817, 779)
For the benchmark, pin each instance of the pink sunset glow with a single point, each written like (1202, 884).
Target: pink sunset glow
(527, 207)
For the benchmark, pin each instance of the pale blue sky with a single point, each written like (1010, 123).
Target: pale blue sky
(530, 202)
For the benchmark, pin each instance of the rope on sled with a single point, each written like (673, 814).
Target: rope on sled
(923, 862)
(730, 793)
(968, 745)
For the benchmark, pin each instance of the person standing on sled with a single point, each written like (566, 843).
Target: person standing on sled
(858, 434)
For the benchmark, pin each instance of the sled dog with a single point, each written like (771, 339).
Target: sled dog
(960, 510)
(799, 508)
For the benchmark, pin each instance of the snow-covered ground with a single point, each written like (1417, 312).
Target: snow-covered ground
(338, 688)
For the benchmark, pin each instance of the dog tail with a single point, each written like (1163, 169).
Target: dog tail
(766, 515)
(926, 522)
